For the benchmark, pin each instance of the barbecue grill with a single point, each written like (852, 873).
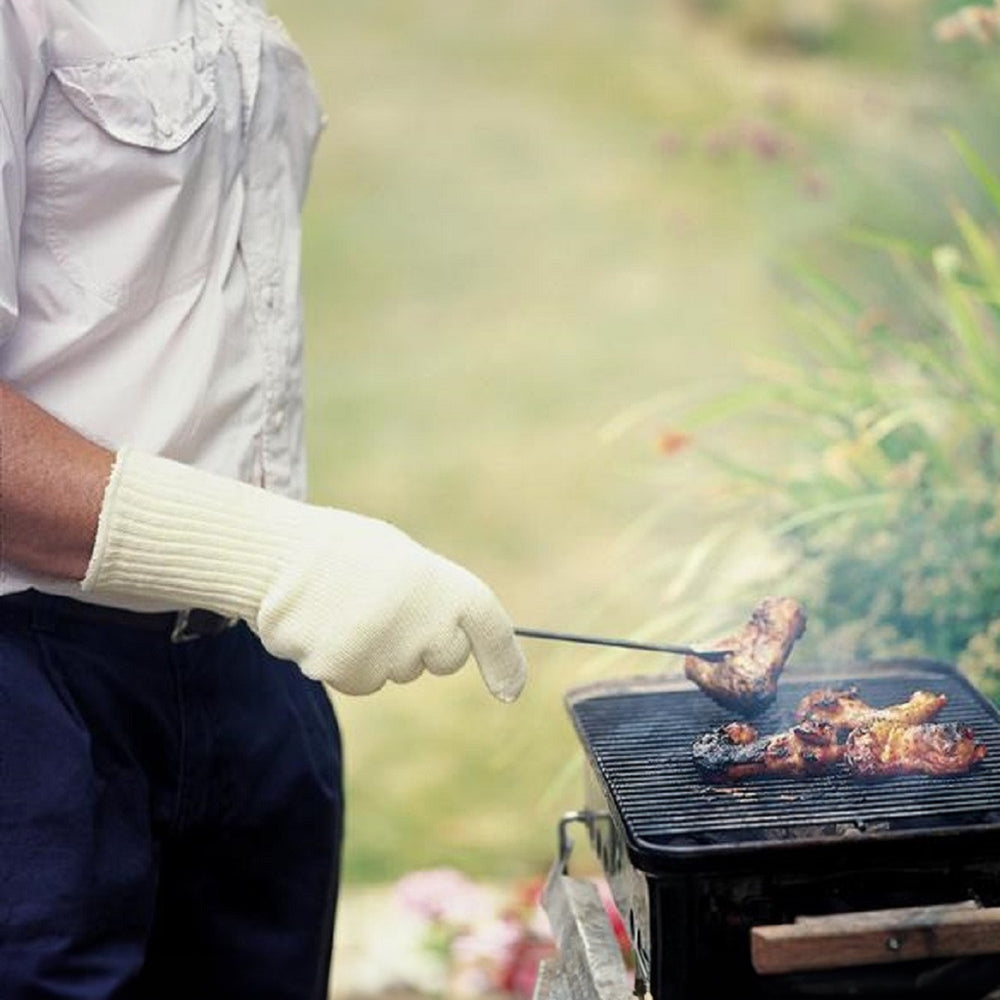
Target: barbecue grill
(821, 886)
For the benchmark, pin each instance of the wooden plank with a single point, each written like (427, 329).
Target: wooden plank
(876, 937)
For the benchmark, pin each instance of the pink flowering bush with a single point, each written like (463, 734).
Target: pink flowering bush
(489, 940)
(444, 895)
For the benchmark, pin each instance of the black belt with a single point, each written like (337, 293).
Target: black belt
(32, 607)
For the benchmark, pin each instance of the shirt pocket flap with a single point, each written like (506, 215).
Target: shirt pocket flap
(156, 100)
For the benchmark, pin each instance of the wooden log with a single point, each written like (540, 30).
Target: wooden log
(876, 937)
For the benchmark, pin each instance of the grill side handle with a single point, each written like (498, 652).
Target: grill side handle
(588, 964)
(876, 937)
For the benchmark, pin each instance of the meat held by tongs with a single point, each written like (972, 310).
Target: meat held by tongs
(746, 680)
(846, 710)
(887, 748)
(736, 751)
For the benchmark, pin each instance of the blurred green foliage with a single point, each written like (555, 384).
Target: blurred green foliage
(532, 226)
(885, 33)
(884, 502)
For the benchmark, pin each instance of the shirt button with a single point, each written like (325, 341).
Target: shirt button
(269, 296)
(278, 419)
(165, 126)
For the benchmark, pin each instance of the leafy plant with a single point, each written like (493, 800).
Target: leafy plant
(848, 27)
(881, 490)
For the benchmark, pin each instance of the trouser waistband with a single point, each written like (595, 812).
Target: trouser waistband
(30, 607)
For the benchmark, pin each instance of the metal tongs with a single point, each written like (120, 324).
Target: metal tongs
(711, 655)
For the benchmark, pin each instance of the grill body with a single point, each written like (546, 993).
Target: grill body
(694, 867)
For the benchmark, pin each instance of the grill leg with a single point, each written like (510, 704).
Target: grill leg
(551, 983)
(589, 963)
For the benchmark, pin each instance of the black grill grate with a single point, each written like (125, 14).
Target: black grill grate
(639, 743)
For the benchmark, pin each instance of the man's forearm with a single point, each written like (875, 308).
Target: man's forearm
(52, 481)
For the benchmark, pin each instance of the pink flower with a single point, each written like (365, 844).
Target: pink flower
(480, 953)
(444, 895)
(489, 941)
(520, 972)
(487, 944)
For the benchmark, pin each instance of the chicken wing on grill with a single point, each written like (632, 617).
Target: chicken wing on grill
(736, 751)
(747, 679)
(887, 748)
(845, 709)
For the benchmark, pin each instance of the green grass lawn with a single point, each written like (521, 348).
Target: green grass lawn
(527, 221)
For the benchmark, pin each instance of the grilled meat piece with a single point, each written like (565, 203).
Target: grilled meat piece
(746, 681)
(845, 709)
(887, 748)
(736, 751)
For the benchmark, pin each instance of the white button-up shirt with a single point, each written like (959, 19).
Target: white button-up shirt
(153, 161)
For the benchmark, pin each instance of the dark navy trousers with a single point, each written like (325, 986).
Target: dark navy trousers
(170, 815)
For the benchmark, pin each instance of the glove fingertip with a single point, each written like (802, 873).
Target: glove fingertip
(491, 635)
(508, 694)
(505, 676)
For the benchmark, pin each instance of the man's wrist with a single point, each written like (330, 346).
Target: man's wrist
(52, 480)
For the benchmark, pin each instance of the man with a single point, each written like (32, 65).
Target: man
(170, 788)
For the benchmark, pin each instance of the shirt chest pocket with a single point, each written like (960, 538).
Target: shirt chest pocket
(133, 158)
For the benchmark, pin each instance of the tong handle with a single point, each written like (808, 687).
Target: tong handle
(712, 655)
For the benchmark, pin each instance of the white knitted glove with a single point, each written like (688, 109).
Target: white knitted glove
(354, 601)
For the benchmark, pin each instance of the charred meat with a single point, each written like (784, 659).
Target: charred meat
(746, 681)
(888, 748)
(846, 710)
(736, 751)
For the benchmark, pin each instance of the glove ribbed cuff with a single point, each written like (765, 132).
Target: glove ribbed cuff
(172, 533)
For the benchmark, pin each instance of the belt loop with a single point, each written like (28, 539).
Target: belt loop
(180, 631)
(195, 623)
